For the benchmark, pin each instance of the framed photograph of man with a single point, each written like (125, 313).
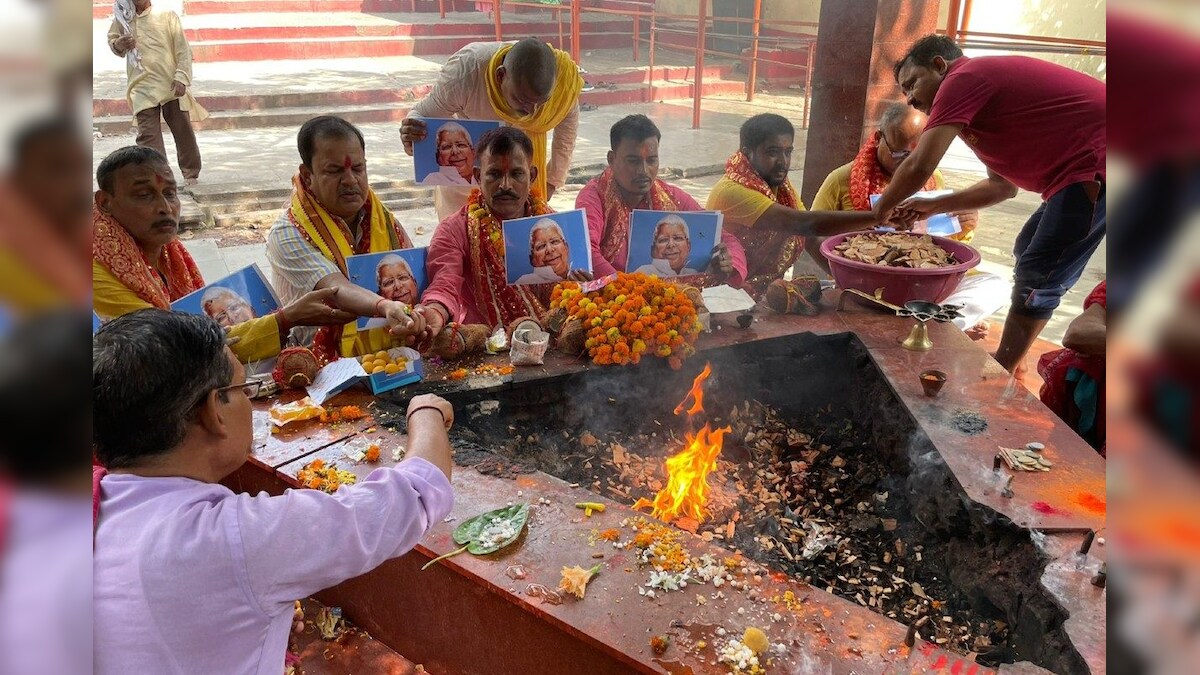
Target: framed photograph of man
(545, 249)
(446, 156)
(395, 275)
(239, 297)
(672, 243)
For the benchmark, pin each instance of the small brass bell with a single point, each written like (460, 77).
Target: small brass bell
(918, 338)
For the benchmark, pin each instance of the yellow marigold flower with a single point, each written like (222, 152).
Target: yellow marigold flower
(575, 579)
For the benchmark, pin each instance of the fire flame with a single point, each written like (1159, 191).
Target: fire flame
(686, 492)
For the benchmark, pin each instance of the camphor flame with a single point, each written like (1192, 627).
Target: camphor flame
(686, 492)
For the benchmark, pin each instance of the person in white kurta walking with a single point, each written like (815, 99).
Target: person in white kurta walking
(159, 67)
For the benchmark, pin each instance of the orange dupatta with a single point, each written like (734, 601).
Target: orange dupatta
(769, 254)
(617, 214)
(499, 302)
(116, 249)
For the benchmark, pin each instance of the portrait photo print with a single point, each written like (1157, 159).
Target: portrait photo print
(672, 243)
(239, 297)
(446, 156)
(395, 275)
(545, 249)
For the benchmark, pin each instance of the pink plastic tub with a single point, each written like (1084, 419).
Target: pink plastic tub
(901, 284)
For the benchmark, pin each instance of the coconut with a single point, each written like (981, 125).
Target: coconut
(555, 320)
(572, 338)
(697, 297)
(449, 344)
(475, 337)
(799, 296)
(523, 322)
(296, 368)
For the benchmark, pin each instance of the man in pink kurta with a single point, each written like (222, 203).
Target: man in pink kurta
(631, 182)
(189, 576)
(465, 262)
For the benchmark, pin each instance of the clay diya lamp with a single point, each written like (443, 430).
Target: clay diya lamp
(932, 381)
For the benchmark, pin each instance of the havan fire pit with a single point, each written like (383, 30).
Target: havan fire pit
(822, 476)
(859, 523)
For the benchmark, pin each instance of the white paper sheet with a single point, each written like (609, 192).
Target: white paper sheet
(335, 377)
(722, 299)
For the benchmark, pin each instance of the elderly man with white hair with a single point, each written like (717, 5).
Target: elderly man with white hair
(455, 157)
(395, 281)
(226, 307)
(669, 250)
(549, 253)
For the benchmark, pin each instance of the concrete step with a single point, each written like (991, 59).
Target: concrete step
(200, 7)
(292, 26)
(102, 107)
(117, 123)
(285, 48)
(263, 218)
(113, 125)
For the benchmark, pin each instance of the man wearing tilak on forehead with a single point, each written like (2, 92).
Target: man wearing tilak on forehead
(526, 84)
(139, 262)
(335, 214)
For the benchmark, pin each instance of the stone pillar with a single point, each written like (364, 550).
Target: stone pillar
(858, 42)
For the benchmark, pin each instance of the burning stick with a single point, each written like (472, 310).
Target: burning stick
(1087, 542)
(696, 393)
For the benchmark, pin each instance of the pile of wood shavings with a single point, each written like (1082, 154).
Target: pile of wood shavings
(894, 249)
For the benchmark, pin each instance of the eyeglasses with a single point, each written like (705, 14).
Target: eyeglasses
(897, 155)
(224, 316)
(547, 243)
(250, 388)
(667, 239)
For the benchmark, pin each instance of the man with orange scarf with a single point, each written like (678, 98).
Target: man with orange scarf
(139, 262)
(467, 281)
(526, 84)
(631, 182)
(762, 208)
(850, 186)
(334, 214)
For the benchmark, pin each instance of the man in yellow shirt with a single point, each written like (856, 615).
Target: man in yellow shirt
(850, 186)
(138, 260)
(762, 207)
(159, 67)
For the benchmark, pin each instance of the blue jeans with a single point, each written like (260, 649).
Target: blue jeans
(1054, 247)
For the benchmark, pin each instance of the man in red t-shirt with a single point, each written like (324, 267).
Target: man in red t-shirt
(1034, 125)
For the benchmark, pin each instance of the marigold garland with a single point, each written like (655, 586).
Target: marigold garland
(633, 316)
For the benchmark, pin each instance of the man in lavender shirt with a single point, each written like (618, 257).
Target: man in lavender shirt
(190, 577)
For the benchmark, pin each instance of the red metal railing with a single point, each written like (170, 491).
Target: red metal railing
(701, 50)
(639, 12)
